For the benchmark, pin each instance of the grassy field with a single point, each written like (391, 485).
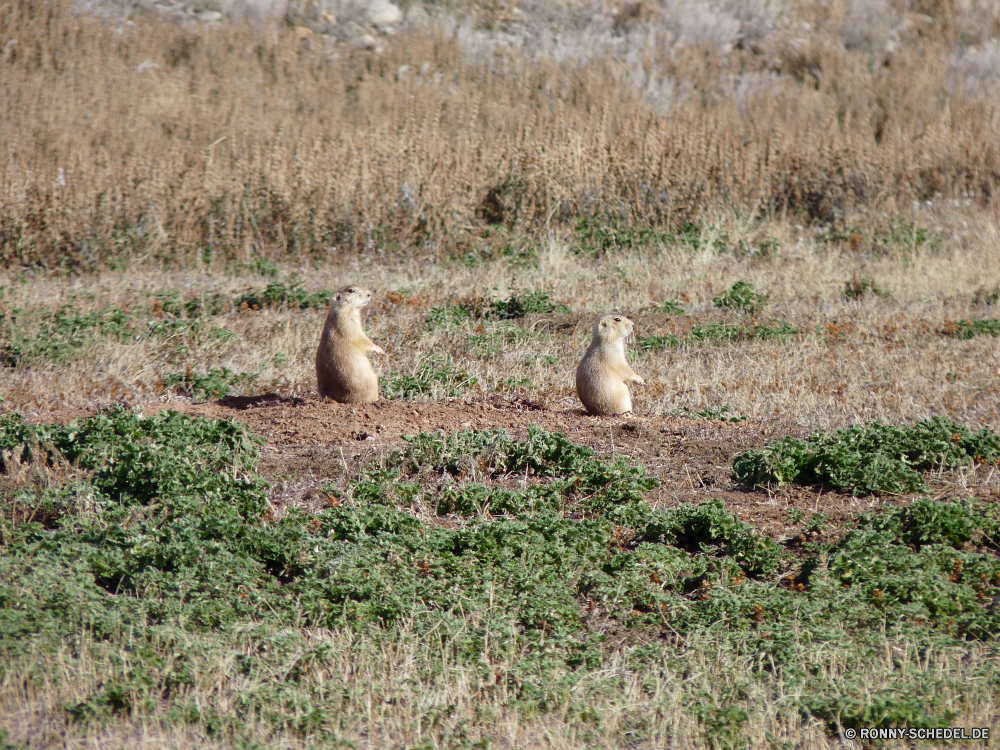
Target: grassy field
(795, 534)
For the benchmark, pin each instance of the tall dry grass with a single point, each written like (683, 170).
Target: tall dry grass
(150, 141)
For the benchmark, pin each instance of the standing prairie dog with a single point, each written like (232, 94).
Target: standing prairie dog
(603, 375)
(342, 367)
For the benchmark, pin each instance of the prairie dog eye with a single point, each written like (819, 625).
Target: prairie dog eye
(351, 290)
(618, 320)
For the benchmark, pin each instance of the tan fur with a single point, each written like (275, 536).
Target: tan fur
(343, 371)
(603, 375)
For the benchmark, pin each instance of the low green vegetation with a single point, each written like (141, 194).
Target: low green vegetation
(64, 334)
(58, 335)
(883, 235)
(859, 288)
(212, 384)
(545, 562)
(719, 333)
(967, 329)
(171, 303)
(670, 307)
(285, 295)
(722, 413)
(873, 458)
(741, 296)
(520, 304)
(437, 377)
(595, 238)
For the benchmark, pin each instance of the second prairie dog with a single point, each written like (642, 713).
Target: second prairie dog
(343, 371)
(603, 375)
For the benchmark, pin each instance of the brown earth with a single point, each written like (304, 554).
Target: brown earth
(313, 444)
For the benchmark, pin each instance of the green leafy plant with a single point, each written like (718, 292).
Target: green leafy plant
(967, 329)
(795, 515)
(281, 294)
(722, 413)
(170, 303)
(657, 342)
(212, 384)
(868, 459)
(522, 303)
(435, 377)
(741, 296)
(58, 335)
(444, 317)
(858, 288)
(670, 307)
(595, 238)
(518, 305)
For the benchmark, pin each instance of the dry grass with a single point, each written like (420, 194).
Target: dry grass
(148, 141)
(883, 356)
(390, 698)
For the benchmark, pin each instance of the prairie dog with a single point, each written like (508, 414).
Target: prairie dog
(343, 371)
(603, 375)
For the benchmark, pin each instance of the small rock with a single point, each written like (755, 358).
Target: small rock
(9, 51)
(303, 32)
(383, 13)
(365, 41)
(209, 16)
(146, 65)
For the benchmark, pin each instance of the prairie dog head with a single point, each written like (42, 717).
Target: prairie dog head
(613, 328)
(351, 296)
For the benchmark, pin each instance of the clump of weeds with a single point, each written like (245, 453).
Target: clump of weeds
(873, 458)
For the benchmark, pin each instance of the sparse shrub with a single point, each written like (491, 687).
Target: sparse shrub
(280, 294)
(985, 296)
(596, 238)
(817, 523)
(868, 459)
(670, 307)
(443, 317)
(657, 342)
(169, 302)
(435, 378)
(795, 515)
(859, 288)
(514, 384)
(967, 329)
(59, 335)
(518, 305)
(523, 303)
(741, 296)
(722, 413)
(719, 333)
(213, 384)
(709, 527)
(884, 235)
